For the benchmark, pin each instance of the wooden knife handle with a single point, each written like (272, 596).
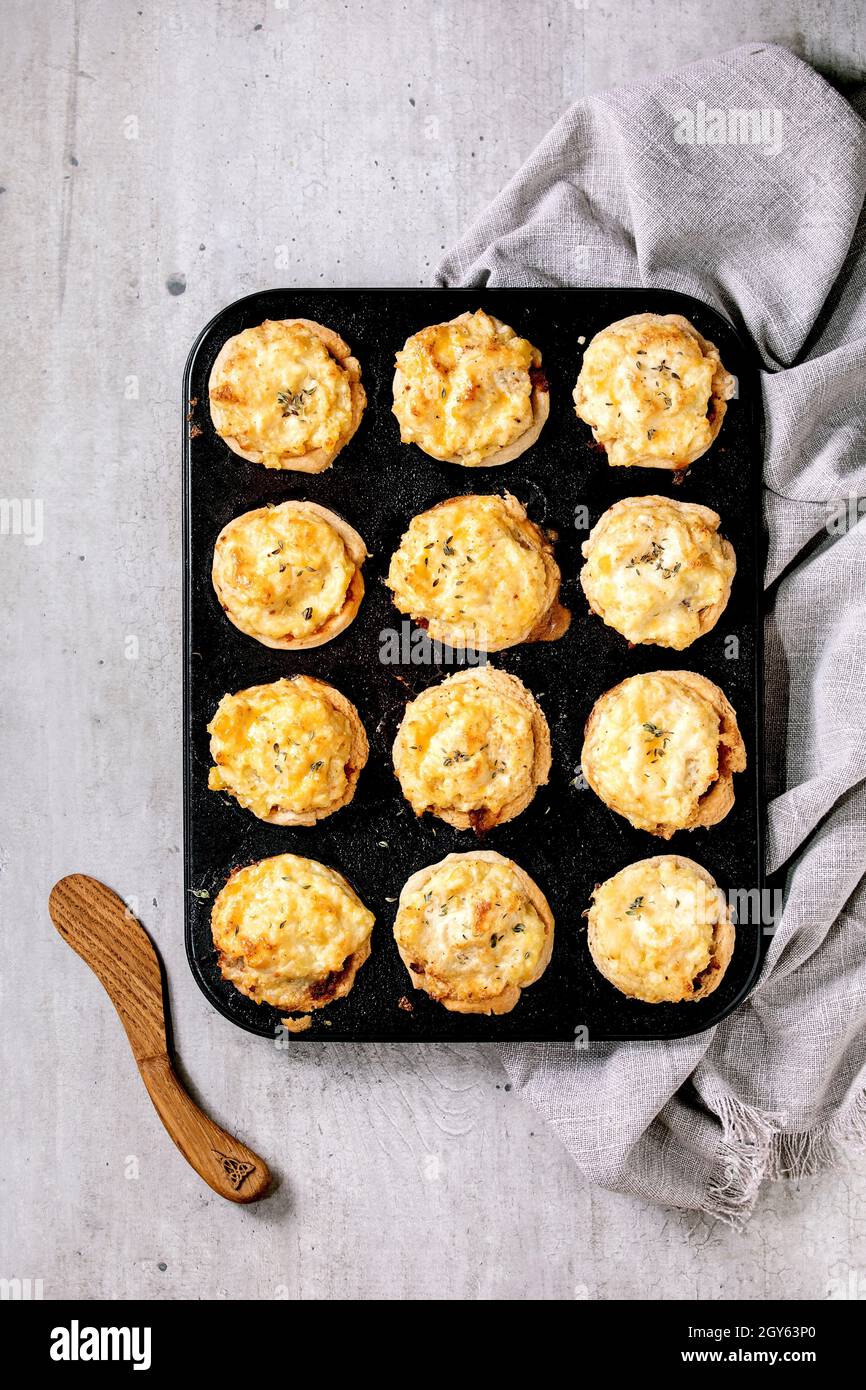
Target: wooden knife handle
(226, 1164)
(99, 926)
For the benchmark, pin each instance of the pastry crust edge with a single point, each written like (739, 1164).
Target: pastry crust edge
(315, 994)
(505, 1001)
(707, 617)
(539, 400)
(359, 751)
(315, 460)
(721, 391)
(724, 938)
(551, 623)
(511, 687)
(717, 800)
(338, 622)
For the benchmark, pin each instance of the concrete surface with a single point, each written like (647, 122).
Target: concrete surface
(160, 160)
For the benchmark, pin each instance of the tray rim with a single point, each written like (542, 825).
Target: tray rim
(757, 425)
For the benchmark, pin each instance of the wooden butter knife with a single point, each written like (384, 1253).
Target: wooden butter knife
(99, 926)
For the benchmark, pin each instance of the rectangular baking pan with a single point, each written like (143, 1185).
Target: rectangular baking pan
(567, 840)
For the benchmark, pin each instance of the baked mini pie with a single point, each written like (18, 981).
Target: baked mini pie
(473, 931)
(657, 570)
(287, 394)
(653, 390)
(473, 749)
(660, 930)
(290, 932)
(289, 575)
(470, 391)
(290, 752)
(661, 749)
(476, 572)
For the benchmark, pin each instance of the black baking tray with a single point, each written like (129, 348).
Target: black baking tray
(567, 839)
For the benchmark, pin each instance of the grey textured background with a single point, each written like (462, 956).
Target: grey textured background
(159, 160)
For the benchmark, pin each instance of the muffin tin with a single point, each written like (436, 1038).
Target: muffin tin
(567, 840)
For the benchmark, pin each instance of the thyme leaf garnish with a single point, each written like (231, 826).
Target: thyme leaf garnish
(294, 402)
(664, 737)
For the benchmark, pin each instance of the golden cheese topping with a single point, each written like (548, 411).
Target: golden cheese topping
(652, 750)
(471, 568)
(472, 929)
(469, 745)
(653, 928)
(653, 391)
(284, 925)
(283, 747)
(284, 572)
(463, 389)
(658, 570)
(280, 393)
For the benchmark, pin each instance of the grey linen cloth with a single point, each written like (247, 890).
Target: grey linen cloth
(761, 216)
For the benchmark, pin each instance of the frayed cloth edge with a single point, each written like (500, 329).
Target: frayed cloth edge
(744, 1155)
(813, 1151)
(753, 1148)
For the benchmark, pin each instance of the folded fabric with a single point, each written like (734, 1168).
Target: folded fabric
(740, 180)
